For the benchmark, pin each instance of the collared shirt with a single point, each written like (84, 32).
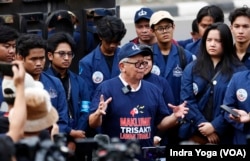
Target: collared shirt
(125, 84)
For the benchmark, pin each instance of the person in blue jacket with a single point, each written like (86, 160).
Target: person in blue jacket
(92, 16)
(31, 49)
(194, 35)
(102, 63)
(60, 51)
(204, 84)
(237, 97)
(128, 107)
(205, 17)
(167, 59)
(161, 137)
(160, 82)
(240, 27)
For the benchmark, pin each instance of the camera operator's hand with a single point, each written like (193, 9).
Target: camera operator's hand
(19, 110)
(19, 72)
(77, 134)
(54, 130)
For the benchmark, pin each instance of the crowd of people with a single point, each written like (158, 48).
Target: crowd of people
(153, 89)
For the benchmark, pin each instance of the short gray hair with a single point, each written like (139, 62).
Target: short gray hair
(123, 60)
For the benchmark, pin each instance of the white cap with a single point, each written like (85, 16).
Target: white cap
(158, 16)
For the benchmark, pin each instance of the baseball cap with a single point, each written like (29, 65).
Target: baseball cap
(143, 13)
(131, 49)
(102, 12)
(158, 16)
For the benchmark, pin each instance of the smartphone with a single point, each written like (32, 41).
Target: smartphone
(229, 110)
(6, 69)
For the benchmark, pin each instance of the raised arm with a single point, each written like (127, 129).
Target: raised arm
(95, 119)
(19, 111)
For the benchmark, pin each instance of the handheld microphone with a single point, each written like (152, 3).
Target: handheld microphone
(126, 89)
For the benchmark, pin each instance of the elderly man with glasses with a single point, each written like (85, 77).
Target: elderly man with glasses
(129, 107)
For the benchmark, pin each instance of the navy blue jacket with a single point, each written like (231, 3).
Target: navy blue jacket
(58, 99)
(171, 70)
(80, 100)
(163, 86)
(94, 69)
(194, 47)
(184, 43)
(237, 96)
(246, 58)
(195, 91)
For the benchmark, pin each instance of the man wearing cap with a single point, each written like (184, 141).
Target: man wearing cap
(142, 28)
(128, 107)
(167, 59)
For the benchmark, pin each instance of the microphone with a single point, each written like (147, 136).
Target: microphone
(126, 89)
(102, 139)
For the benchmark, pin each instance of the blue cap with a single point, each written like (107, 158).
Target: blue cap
(102, 12)
(143, 13)
(131, 49)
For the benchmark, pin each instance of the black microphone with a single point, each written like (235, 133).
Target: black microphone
(102, 139)
(126, 89)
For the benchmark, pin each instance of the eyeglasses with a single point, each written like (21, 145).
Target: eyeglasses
(62, 54)
(138, 64)
(166, 28)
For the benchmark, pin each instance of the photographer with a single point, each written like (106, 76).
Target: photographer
(19, 113)
(40, 124)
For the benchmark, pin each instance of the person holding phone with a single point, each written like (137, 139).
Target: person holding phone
(230, 111)
(19, 113)
(237, 96)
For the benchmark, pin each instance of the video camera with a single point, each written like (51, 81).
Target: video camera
(35, 149)
(100, 148)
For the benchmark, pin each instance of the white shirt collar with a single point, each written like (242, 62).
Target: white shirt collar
(125, 84)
